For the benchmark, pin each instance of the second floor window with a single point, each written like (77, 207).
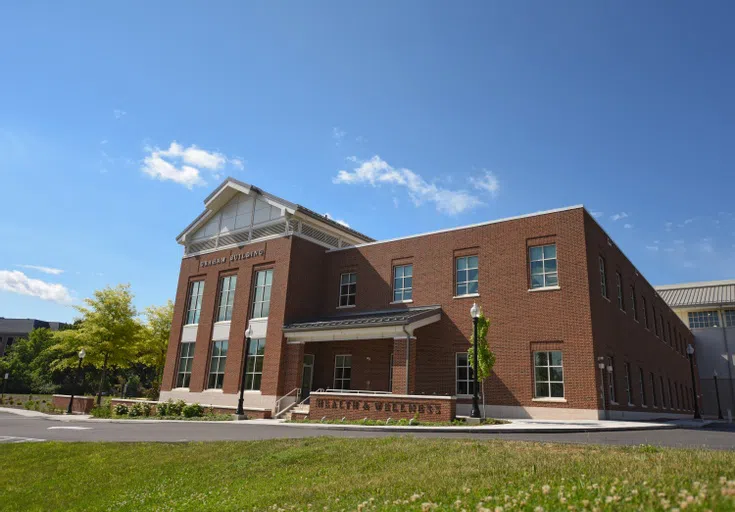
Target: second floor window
(226, 298)
(633, 303)
(543, 266)
(402, 283)
(603, 277)
(645, 313)
(619, 283)
(194, 308)
(702, 319)
(262, 293)
(466, 275)
(347, 289)
(655, 321)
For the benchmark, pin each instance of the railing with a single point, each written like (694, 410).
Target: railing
(296, 393)
(358, 391)
(305, 401)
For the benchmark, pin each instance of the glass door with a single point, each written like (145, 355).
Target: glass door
(307, 376)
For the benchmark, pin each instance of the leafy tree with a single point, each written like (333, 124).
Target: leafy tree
(107, 331)
(28, 363)
(485, 358)
(154, 336)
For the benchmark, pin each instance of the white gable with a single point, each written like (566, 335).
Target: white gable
(238, 214)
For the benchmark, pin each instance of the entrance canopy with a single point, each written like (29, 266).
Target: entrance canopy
(366, 325)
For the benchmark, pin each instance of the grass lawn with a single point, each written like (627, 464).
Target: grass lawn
(396, 473)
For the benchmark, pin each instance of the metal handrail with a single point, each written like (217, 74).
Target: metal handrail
(308, 397)
(297, 391)
(359, 391)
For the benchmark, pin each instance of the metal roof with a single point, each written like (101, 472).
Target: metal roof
(366, 319)
(706, 293)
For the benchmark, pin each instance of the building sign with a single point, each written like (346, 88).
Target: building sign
(233, 257)
(379, 406)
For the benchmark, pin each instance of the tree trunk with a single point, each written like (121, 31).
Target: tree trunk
(102, 380)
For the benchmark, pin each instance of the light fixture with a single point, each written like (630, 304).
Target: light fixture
(690, 349)
(249, 331)
(475, 311)
(82, 354)
(609, 369)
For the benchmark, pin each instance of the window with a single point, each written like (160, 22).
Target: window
(543, 266)
(347, 289)
(671, 395)
(619, 283)
(549, 374)
(654, 399)
(402, 283)
(655, 321)
(196, 290)
(633, 303)
(217, 364)
(226, 298)
(729, 317)
(186, 356)
(668, 326)
(645, 314)
(603, 277)
(702, 319)
(643, 386)
(611, 380)
(663, 391)
(390, 374)
(628, 386)
(466, 276)
(262, 293)
(8, 341)
(254, 368)
(342, 371)
(465, 375)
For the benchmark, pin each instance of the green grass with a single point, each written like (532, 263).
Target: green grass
(395, 473)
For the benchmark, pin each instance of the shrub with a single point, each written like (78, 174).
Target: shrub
(50, 409)
(135, 410)
(176, 408)
(121, 410)
(193, 411)
(29, 404)
(100, 411)
(147, 409)
(162, 409)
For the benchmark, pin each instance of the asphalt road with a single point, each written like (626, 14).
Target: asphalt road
(15, 428)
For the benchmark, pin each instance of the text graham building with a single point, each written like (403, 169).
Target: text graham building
(381, 329)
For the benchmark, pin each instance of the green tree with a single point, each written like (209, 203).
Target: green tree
(107, 331)
(485, 358)
(28, 363)
(153, 339)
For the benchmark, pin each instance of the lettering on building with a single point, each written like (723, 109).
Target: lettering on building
(378, 405)
(233, 257)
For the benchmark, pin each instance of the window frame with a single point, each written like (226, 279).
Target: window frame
(646, 319)
(654, 398)
(642, 382)
(194, 313)
(221, 361)
(469, 380)
(663, 392)
(347, 295)
(612, 395)
(619, 284)
(728, 317)
(403, 290)
(264, 302)
(603, 276)
(549, 381)
(189, 357)
(252, 382)
(226, 300)
(633, 303)
(702, 319)
(628, 383)
(544, 273)
(342, 379)
(390, 373)
(468, 281)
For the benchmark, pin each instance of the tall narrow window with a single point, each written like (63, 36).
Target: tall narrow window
(645, 313)
(465, 378)
(633, 303)
(628, 384)
(654, 398)
(194, 308)
(655, 321)
(603, 277)
(663, 391)
(671, 395)
(390, 374)
(342, 371)
(619, 283)
(347, 289)
(254, 368)
(186, 356)
(226, 298)
(668, 326)
(642, 381)
(262, 293)
(543, 266)
(466, 276)
(549, 374)
(611, 379)
(217, 364)
(402, 283)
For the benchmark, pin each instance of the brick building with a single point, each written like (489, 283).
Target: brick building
(576, 330)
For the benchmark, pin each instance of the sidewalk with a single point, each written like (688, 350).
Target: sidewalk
(515, 426)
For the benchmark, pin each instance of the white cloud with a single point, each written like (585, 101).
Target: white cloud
(678, 242)
(15, 281)
(617, 216)
(597, 215)
(118, 113)
(668, 226)
(45, 270)
(376, 172)
(395, 202)
(360, 139)
(103, 142)
(652, 247)
(184, 165)
(338, 134)
(338, 221)
(669, 249)
(628, 226)
(488, 182)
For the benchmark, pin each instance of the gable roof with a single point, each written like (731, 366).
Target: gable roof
(705, 293)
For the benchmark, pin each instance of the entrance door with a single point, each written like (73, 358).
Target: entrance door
(307, 376)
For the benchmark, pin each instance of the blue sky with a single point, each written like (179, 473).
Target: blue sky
(439, 116)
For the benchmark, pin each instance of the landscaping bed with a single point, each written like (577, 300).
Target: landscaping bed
(403, 422)
(170, 410)
(366, 474)
(41, 403)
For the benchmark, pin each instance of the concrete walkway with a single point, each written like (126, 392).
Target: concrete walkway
(513, 426)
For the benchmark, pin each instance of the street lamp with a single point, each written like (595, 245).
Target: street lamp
(475, 313)
(5, 381)
(717, 394)
(690, 352)
(248, 334)
(81, 354)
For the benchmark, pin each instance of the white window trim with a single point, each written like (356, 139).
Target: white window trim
(549, 399)
(545, 289)
(403, 280)
(456, 283)
(456, 377)
(409, 301)
(339, 295)
(548, 366)
(543, 263)
(467, 296)
(346, 307)
(255, 288)
(334, 374)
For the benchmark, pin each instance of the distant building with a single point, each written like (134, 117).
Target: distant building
(708, 308)
(11, 329)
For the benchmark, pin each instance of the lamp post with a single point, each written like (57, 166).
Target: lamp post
(82, 353)
(5, 381)
(248, 334)
(475, 312)
(717, 394)
(690, 352)
(601, 366)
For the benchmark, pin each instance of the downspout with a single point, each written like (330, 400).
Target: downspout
(408, 349)
(729, 358)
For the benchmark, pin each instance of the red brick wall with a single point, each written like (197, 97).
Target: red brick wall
(335, 406)
(372, 374)
(617, 334)
(81, 404)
